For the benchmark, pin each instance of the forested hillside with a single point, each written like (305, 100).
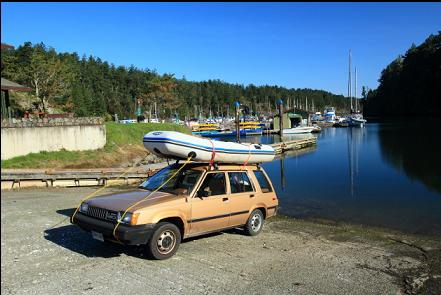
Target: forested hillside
(411, 84)
(90, 86)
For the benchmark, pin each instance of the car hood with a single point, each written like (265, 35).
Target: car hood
(121, 201)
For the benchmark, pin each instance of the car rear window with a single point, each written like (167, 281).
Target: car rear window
(263, 182)
(239, 182)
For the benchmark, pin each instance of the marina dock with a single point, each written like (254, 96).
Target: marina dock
(281, 147)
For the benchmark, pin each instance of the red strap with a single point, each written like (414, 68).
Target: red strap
(249, 155)
(213, 153)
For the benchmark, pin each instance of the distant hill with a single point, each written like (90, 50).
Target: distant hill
(89, 86)
(411, 84)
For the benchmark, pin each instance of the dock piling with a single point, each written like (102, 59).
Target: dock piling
(237, 105)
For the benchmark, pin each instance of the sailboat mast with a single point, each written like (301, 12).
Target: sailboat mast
(355, 90)
(350, 78)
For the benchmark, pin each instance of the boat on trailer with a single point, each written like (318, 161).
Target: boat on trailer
(176, 145)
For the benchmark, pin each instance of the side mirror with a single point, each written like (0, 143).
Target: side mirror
(203, 194)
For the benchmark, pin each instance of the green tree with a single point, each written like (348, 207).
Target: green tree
(411, 84)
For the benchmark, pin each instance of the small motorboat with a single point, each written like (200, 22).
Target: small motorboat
(317, 129)
(341, 124)
(299, 130)
(329, 114)
(176, 145)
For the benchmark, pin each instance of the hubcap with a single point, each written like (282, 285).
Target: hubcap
(166, 242)
(256, 222)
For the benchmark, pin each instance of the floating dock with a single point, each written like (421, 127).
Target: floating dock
(288, 145)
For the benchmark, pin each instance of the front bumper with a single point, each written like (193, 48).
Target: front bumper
(127, 234)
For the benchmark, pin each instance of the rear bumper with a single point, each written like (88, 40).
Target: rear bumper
(127, 234)
(270, 210)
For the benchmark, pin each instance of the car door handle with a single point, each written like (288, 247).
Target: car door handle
(252, 196)
(224, 199)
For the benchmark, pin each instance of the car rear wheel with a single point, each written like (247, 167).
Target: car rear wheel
(254, 224)
(164, 242)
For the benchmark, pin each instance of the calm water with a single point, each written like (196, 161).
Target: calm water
(385, 174)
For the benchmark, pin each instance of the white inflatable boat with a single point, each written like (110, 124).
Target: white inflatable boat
(176, 145)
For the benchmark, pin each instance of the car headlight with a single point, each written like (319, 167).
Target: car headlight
(129, 218)
(84, 207)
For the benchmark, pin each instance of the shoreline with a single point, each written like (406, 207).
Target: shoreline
(424, 279)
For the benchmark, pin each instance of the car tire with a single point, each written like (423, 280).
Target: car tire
(254, 223)
(164, 242)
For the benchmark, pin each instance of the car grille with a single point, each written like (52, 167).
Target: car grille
(102, 213)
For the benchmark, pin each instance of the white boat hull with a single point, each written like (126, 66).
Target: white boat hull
(357, 122)
(176, 145)
(298, 130)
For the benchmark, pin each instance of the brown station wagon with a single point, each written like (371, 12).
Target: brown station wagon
(200, 199)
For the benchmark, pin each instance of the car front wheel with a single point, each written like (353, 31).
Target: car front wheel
(164, 242)
(255, 223)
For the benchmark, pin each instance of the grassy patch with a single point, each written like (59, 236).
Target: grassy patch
(124, 143)
(131, 134)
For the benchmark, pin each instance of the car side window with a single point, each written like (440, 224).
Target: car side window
(239, 182)
(263, 181)
(214, 184)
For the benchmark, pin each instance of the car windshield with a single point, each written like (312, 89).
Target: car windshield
(180, 184)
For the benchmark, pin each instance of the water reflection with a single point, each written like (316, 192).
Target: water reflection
(385, 174)
(362, 175)
(282, 172)
(292, 155)
(354, 139)
(414, 148)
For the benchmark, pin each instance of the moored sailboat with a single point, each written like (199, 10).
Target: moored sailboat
(355, 119)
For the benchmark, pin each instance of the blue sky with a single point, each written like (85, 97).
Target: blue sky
(296, 45)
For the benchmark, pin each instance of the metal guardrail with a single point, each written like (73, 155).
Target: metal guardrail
(102, 176)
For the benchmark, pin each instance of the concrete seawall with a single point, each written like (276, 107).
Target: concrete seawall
(22, 137)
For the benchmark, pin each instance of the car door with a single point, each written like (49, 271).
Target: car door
(242, 196)
(210, 208)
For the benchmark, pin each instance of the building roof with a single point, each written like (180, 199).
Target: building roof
(9, 85)
(294, 115)
(7, 46)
